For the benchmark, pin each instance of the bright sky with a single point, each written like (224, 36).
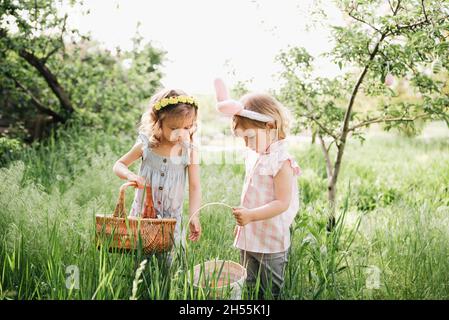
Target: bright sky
(234, 39)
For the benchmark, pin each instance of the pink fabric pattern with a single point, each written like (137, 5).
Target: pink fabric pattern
(271, 235)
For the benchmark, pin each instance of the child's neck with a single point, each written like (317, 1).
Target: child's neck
(168, 148)
(168, 144)
(267, 149)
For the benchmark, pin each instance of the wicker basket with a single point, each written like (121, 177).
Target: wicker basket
(221, 279)
(218, 279)
(122, 233)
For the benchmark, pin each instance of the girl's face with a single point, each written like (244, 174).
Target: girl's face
(257, 139)
(178, 129)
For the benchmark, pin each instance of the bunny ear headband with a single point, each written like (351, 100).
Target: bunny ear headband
(232, 107)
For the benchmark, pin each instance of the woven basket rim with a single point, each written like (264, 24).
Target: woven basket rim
(243, 275)
(156, 220)
(222, 261)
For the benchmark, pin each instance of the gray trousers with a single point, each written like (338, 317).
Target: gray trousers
(269, 268)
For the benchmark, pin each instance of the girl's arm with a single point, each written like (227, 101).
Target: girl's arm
(194, 195)
(282, 194)
(120, 167)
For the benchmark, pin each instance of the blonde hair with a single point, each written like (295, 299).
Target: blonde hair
(267, 105)
(151, 121)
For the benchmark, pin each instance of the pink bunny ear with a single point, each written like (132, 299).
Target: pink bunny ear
(229, 107)
(221, 90)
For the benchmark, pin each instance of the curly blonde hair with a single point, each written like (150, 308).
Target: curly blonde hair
(151, 121)
(265, 104)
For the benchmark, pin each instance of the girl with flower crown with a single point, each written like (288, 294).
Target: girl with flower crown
(164, 144)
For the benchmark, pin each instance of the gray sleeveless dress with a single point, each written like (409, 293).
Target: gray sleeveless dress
(167, 176)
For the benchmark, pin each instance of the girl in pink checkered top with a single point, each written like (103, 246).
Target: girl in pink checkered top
(270, 197)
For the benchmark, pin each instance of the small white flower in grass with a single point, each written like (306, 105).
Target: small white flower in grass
(137, 279)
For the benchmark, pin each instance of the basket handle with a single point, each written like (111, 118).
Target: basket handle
(225, 205)
(148, 208)
(204, 206)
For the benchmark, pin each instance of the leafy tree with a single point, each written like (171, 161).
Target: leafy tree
(383, 41)
(51, 74)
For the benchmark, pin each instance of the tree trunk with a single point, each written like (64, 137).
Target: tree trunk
(332, 192)
(331, 186)
(51, 80)
(314, 133)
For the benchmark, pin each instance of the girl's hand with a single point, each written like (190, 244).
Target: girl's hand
(242, 215)
(194, 229)
(140, 181)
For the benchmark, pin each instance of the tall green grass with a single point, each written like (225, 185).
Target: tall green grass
(393, 216)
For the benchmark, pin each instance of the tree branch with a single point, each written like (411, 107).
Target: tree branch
(412, 26)
(424, 10)
(397, 29)
(322, 127)
(39, 105)
(361, 20)
(356, 89)
(398, 6)
(58, 46)
(329, 168)
(50, 78)
(314, 119)
(380, 119)
(44, 71)
(52, 52)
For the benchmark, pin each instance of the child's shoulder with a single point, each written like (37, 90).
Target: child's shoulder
(141, 145)
(276, 159)
(142, 138)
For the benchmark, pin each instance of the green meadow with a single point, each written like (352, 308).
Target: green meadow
(390, 242)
